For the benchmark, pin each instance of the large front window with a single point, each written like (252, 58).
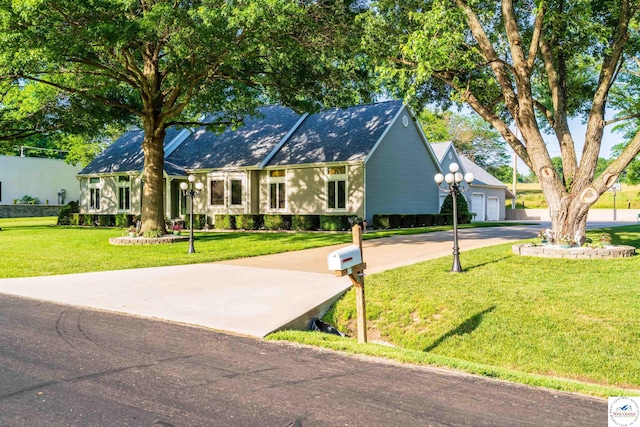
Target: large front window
(277, 190)
(217, 192)
(94, 193)
(124, 193)
(236, 192)
(337, 187)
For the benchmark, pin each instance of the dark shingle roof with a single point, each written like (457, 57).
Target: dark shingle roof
(337, 135)
(125, 155)
(246, 146)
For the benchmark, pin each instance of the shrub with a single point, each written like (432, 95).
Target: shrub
(334, 222)
(122, 220)
(463, 208)
(424, 220)
(88, 220)
(27, 200)
(274, 222)
(408, 221)
(305, 222)
(225, 222)
(438, 219)
(105, 220)
(245, 222)
(65, 216)
(199, 221)
(381, 222)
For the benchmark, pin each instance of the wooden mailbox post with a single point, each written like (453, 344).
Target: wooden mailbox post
(356, 274)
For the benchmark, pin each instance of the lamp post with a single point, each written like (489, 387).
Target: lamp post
(189, 191)
(452, 183)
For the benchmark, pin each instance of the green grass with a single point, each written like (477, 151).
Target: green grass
(36, 247)
(533, 320)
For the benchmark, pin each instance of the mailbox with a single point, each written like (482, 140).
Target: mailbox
(344, 258)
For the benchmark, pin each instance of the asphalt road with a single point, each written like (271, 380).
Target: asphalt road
(70, 366)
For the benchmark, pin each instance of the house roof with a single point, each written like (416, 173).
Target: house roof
(276, 136)
(245, 146)
(440, 149)
(337, 135)
(125, 155)
(481, 176)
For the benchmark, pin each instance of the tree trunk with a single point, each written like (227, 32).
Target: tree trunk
(152, 214)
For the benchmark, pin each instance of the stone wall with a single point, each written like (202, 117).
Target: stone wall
(21, 211)
(551, 251)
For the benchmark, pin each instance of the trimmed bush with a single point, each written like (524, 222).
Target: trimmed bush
(381, 222)
(225, 222)
(438, 219)
(274, 222)
(408, 221)
(424, 220)
(464, 215)
(246, 222)
(106, 220)
(305, 222)
(334, 222)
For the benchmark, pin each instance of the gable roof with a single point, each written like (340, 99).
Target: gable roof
(125, 155)
(276, 136)
(480, 175)
(337, 135)
(245, 146)
(440, 149)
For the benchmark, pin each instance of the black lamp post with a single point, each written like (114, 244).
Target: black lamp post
(452, 183)
(189, 191)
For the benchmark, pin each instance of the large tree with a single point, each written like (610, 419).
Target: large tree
(167, 62)
(531, 64)
(470, 134)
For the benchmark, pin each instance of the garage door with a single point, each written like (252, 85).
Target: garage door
(477, 206)
(492, 209)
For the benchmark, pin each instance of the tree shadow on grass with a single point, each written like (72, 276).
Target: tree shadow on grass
(482, 264)
(466, 327)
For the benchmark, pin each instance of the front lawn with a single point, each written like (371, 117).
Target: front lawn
(36, 247)
(520, 318)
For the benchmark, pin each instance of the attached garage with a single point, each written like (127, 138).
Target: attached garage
(493, 209)
(477, 206)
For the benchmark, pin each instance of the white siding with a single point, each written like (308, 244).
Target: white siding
(41, 178)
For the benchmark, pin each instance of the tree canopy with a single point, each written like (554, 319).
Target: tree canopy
(169, 62)
(471, 136)
(532, 65)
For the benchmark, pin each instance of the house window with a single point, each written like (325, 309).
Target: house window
(124, 193)
(337, 187)
(217, 192)
(236, 192)
(277, 189)
(94, 194)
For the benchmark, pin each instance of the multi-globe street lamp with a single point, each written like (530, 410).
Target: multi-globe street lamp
(189, 191)
(452, 183)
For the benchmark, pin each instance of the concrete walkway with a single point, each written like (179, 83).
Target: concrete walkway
(252, 296)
